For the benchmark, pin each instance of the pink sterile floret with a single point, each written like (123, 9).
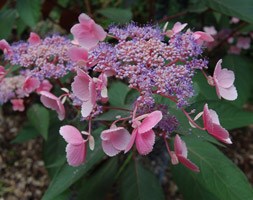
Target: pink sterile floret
(143, 135)
(51, 101)
(180, 154)
(34, 38)
(202, 37)
(177, 28)
(213, 127)
(224, 82)
(115, 140)
(79, 55)
(45, 85)
(84, 88)
(18, 105)
(87, 33)
(76, 147)
(31, 84)
(5, 47)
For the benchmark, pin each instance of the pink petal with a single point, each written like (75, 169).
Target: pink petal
(145, 142)
(31, 84)
(51, 101)
(119, 137)
(99, 32)
(214, 116)
(87, 108)
(109, 149)
(221, 134)
(180, 147)
(34, 38)
(150, 121)
(80, 86)
(207, 119)
(186, 162)
(71, 135)
(76, 154)
(18, 105)
(83, 18)
(225, 78)
(44, 86)
(178, 27)
(203, 36)
(228, 93)
(78, 54)
(217, 69)
(5, 47)
(92, 92)
(131, 142)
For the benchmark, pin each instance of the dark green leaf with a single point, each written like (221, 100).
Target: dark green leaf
(101, 180)
(117, 93)
(38, 116)
(218, 179)
(29, 11)
(7, 19)
(137, 183)
(27, 133)
(241, 9)
(117, 15)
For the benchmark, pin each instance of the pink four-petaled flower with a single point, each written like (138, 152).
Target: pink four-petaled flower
(76, 147)
(180, 154)
(18, 105)
(115, 140)
(84, 88)
(51, 101)
(213, 127)
(143, 136)
(87, 33)
(224, 82)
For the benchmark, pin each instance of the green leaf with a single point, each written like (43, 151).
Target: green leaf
(218, 179)
(7, 19)
(38, 116)
(111, 115)
(29, 11)
(101, 180)
(27, 133)
(117, 15)
(68, 175)
(242, 67)
(241, 9)
(117, 93)
(137, 183)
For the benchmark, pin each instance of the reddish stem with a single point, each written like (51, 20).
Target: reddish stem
(192, 121)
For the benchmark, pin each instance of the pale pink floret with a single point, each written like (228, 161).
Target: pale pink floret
(45, 85)
(5, 47)
(31, 84)
(34, 38)
(76, 147)
(213, 127)
(18, 105)
(177, 28)
(180, 154)
(210, 30)
(84, 88)
(243, 42)
(79, 55)
(87, 33)
(143, 135)
(115, 140)
(201, 37)
(224, 82)
(51, 101)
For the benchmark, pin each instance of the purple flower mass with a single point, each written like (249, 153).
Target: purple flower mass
(149, 63)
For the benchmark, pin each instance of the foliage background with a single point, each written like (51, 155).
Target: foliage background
(133, 177)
